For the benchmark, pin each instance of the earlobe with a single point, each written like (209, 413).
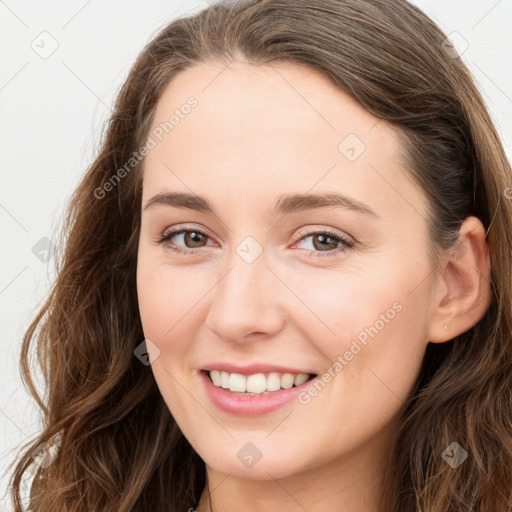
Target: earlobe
(464, 288)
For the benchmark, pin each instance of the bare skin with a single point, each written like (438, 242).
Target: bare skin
(258, 133)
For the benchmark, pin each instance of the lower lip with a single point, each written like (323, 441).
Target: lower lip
(247, 405)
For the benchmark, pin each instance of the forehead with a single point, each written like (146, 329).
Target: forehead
(281, 126)
(275, 96)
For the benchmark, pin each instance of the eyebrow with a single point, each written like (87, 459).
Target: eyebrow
(285, 204)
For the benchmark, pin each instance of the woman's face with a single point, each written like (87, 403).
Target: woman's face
(305, 253)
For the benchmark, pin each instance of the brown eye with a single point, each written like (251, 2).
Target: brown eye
(180, 240)
(324, 242)
(194, 239)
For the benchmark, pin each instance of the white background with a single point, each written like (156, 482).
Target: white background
(51, 113)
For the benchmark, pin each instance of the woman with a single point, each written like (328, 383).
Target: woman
(286, 279)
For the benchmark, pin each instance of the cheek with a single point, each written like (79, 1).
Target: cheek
(172, 303)
(343, 304)
(169, 305)
(370, 327)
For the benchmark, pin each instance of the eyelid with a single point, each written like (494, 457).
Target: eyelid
(317, 229)
(175, 229)
(168, 233)
(347, 243)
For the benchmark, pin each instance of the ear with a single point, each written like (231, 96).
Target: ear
(463, 291)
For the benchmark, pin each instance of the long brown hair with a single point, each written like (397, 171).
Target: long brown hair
(119, 448)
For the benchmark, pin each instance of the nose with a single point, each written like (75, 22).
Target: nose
(246, 302)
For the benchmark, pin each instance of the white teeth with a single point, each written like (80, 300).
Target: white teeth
(287, 380)
(224, 380)
(257, 383)
(301, 378)
(237, 382)
(215, 375)
(273, 382)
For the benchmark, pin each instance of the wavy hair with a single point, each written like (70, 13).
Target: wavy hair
(119, 448)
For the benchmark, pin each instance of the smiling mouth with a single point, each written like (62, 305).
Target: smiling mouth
(258, 383)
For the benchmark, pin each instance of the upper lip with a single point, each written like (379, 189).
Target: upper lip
(253, 368)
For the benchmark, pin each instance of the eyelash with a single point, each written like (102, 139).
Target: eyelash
(348, 244)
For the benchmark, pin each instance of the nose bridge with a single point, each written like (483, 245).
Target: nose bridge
(245, 300)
